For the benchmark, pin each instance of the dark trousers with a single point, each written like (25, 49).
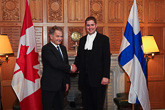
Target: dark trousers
(53, 100)
(93, 97)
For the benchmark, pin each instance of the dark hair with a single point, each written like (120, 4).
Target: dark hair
(53, 29)
(90, 18)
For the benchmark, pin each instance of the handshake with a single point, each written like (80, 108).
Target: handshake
(73, 68)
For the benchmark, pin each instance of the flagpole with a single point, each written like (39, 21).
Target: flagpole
(133, 106)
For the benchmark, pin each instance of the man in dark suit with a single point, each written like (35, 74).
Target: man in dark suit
(93, 61)
(55, 79)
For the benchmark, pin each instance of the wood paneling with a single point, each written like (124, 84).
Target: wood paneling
(155, 68)
(55, 10)
(7, 99)
(156, 8)
(36, 7)
(100, 30)
(76, 11)
(10, 10)
(39, 39)
(97, 9)
(8, 96)
(115, 34)
(14, 36)
(111, 15)
(157, 97)
(116, 11)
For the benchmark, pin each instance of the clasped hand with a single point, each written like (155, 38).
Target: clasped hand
(73, 68)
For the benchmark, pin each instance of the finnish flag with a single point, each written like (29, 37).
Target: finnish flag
(131, 59)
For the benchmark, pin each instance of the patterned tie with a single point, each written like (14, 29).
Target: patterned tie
(58, 48)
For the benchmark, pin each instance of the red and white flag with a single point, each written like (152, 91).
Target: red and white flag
(26, 78)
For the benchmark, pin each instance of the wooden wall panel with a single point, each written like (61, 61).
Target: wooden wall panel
(163, 39)
(112, 16)
(97, 9)
(157, 97)
(116, 11)
(36, 7)
(55, 11)
(76, 11)
(7, 94)
(115, 34)
(156, 8)
(8, 69)
(14, 36)
(100, 29)
(10, 10)
(157, 64)
(39, 39)
(156, 71)
(142, 31)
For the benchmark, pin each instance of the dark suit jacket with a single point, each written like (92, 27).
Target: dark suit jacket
(99, 62)
(55, 69)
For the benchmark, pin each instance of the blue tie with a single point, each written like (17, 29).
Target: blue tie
(58, 48)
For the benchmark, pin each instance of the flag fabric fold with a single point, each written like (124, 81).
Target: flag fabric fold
(26, 77)
(131, 59)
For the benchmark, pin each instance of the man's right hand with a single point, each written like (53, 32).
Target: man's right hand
(73, 68)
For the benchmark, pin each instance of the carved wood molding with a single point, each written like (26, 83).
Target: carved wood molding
(115, 11)
(156, 8)
(76, 11)
(38, 36)
(97, 9)
(115, 37)
(10, 10)
(100, 30)
(36, 7)
(55, 10)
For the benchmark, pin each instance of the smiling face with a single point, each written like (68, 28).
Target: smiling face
(90, 27)
(57, 37)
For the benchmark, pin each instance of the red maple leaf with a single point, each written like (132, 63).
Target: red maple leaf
(26, 63)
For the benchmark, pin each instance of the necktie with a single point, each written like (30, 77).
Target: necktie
(58, 48)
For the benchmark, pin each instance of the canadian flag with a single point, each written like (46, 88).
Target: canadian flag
(26, 78)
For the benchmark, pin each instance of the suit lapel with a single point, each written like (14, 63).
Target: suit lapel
(84, 41)
(54, 49)
(83, 45)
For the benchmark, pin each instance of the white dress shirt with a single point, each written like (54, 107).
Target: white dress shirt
(89, 41)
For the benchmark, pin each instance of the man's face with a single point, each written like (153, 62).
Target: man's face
(91, 27)
(57, 37)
